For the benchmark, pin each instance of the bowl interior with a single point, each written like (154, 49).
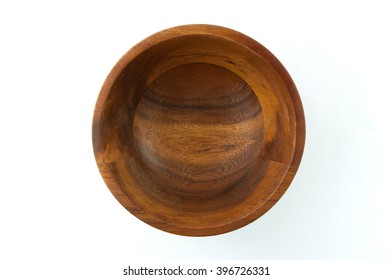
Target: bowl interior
(198, 131)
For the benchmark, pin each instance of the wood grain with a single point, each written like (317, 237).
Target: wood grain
(198, 130)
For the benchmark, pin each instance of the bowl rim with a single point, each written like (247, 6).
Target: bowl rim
(228, 34)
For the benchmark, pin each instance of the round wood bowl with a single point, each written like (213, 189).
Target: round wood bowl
(198, 130)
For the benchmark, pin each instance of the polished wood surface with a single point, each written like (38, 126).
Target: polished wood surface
(198, 130)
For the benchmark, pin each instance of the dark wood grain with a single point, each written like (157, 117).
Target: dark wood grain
(198, 130)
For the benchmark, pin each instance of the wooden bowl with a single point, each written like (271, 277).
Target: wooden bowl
(198, 130)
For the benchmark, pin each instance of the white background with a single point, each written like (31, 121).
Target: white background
(57, 216)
